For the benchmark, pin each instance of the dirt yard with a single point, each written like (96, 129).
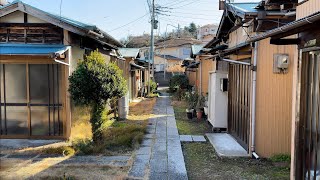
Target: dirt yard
(112, 161)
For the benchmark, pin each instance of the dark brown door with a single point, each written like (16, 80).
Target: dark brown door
(308, 160)
(239, 103)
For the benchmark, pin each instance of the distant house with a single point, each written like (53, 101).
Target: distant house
(256, 86)
(38, 52)
(169, 54)
(206, 33)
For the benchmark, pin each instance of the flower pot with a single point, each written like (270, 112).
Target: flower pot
(199, 115)
(190, 115)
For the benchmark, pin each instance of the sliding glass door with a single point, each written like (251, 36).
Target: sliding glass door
(31, 103)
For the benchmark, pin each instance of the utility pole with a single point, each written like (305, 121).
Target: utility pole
(151, 54)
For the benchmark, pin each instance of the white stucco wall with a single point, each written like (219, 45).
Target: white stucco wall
(18, 17)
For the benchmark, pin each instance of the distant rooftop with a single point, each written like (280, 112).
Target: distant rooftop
(129, 52)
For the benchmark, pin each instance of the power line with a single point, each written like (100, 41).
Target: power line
(129, 22)
(185, 4)
(190, 17)
(196, 14)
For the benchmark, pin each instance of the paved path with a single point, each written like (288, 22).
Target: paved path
(160, 156)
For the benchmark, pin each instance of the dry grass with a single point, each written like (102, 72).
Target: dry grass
(81, 127)
(119, 137)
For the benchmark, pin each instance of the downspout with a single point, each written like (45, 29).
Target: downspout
(254, 94)
(200, 76)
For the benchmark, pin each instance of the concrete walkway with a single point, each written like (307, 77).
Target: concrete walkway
(160, 156)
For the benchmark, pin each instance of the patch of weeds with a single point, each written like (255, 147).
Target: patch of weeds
(122, 138)
(63, 150)
(202, 163)
(281, 158)
(186, 126)
(152, 95)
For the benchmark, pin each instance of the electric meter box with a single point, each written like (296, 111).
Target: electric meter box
(281, 63)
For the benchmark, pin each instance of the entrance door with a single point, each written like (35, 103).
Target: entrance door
(31, 103)
(239, 103)
(308, 160)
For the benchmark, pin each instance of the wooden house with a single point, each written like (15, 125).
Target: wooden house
(259, 105)
(304, 33)
(136, 75)
(38, 52)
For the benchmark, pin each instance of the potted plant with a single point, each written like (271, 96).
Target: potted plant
(205, 108)
(191, 99)
(190, 113)
(199, 107)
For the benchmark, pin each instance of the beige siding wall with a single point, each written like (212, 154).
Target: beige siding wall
(236, 37)
(274, 101)
(206, 67)
(175, 66)
(308, 8)
(192, 77)
(76, 55)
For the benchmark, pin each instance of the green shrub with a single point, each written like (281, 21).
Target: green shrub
(192, 99)
(179, 94)
(178, 82)
(93, 84)
(153, 86)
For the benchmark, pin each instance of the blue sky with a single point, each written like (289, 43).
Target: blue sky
(115, 16)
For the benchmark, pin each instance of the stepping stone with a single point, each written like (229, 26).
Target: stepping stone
(185, 138)
(226, 146)
(199, 139)
(146, 142)
(144, 150)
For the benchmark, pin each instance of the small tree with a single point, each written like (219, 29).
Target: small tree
(93, 84)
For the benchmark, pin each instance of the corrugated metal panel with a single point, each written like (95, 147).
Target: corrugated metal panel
(308, 8)
(245, 7)
(196, 49)
(30, 49)
(274, 101)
